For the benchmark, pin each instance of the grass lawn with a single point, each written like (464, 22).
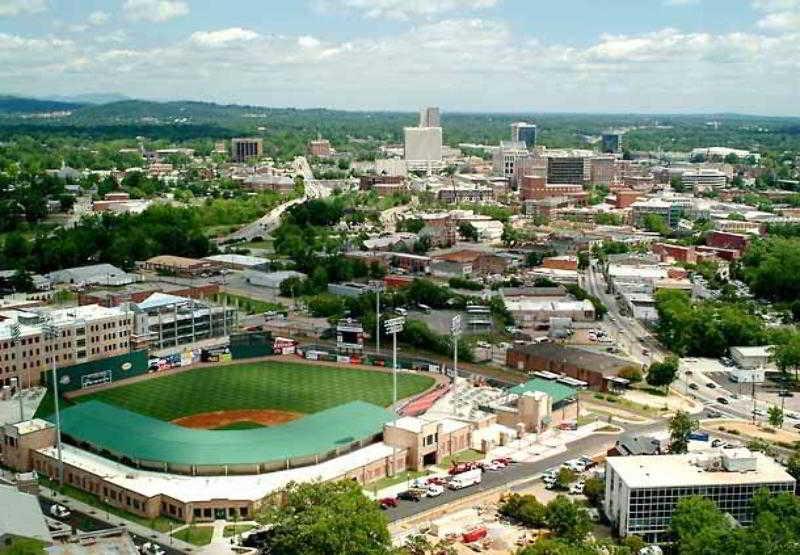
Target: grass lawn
(303, 388)
(235, 529)
(464, 456)
(244, 425)
(195, 535)
(160, 523)
(266, 245)
(396, 479)
(16, 545)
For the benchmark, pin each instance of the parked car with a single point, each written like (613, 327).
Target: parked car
(465, 479)
(576, 488)
(796, 426)
(693, 386)
(437, 480)
(387, 502)
(413, 494)
(785, 393)
(722, 401)
(401, 311)
(711, 412)
(59, 511)
(150, 548)
(494, 466)
(587, 462)
(434, 490)
(759, 412)
(711, 385)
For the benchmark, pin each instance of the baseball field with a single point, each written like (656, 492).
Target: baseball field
(239, 396)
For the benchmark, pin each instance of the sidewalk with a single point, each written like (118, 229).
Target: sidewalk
(115, 520)
(219, 543)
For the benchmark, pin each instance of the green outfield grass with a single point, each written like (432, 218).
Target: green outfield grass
(243, 425)
(303, 388)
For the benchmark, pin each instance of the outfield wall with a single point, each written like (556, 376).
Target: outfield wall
(96, 372)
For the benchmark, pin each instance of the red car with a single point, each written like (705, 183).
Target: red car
(461, 467)
(437, 480)
(505, 460)
(387, 502)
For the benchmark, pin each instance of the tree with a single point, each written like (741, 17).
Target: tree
(594, 489)
(583, 260)
(775, 416)
(565, 477)
(662, 374)
(320, 518)
(696, 525)
(567, 520)
(793, 465)
(787, 355)
(524, 508)
(676, 183)
(630, 373)
(656, 223)
(468, 231)
(681, 426)
(510, 236)
(22, 281)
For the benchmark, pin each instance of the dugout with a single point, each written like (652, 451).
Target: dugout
(96, 372)
(251, 344)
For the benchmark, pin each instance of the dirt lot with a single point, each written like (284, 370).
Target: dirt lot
(217, 419)
(748, 429)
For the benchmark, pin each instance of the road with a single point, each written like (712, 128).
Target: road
(269, 221)
(627, 329)
(519, 471)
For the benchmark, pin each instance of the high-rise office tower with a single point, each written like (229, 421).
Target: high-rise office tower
(611, 142)
(429, 117)
(523, 132)
(244, 148)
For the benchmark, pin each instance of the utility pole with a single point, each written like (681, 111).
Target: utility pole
(50, 333)
(394, 326)
(378, 322)
(455, 330)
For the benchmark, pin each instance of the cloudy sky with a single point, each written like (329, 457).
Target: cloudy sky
(477, 55)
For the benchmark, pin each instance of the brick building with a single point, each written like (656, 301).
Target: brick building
(626, 197)
(534, 187)
(139, 292)
(561, 262)
(596, 369)
(727, 240)
(679, 253)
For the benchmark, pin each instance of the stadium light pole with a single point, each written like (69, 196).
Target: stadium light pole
(455, 330)
(51, 333)
(394, 326)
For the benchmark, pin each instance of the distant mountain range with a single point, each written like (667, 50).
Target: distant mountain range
(90, 98)
(16, 105)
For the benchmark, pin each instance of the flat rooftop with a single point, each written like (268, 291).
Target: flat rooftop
(190, 489)
(658, 471)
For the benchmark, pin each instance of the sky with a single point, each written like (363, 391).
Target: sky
(643, 56)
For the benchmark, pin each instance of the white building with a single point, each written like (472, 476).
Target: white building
(648, 275)
(505, 158)
(752, 357)
(703, 180)
(423, 148)
(643, 491)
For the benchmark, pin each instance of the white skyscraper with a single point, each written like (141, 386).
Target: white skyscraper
(423, 148)
(429, 117)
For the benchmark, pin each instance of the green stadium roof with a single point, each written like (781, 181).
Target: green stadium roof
(557, 391)
(142, 438)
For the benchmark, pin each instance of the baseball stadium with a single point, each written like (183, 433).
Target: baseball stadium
(247, 418)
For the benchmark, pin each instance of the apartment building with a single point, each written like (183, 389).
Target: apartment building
(642, 492)
(536, 188)
(80, 334)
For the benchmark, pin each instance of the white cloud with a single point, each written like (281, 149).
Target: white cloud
(223, 36)
(406, 9)
(307, 41)
(98, 18)
(17, 7)
(470, 64)
(154, 10)
(779, 15)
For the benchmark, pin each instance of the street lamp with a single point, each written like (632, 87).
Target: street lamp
(455, 331)
(393, 326)
(50, 333)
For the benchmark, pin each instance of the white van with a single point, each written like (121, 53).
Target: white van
(401, 311)
(465, 479)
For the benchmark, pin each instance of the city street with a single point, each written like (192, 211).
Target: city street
(527, 472)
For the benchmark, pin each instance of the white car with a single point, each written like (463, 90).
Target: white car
(576, 488)
(149, 548)
(59, 511)
(495, 466)
(434, 490)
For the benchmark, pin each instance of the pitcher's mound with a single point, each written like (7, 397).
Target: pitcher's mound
(220, 418)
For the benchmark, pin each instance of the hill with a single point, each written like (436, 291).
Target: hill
(18, 105)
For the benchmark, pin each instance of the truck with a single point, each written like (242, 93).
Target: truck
(465, 479)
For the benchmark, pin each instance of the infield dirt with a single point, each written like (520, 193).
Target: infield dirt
(217, 419)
